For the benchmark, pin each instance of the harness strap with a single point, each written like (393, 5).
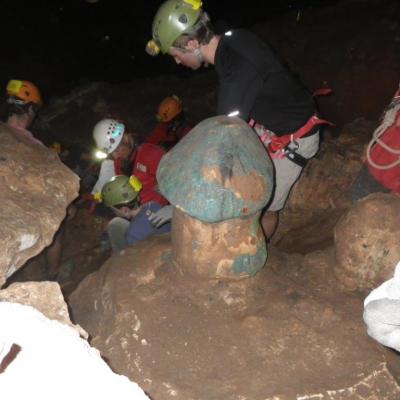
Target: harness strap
(280, 142)
(297, 158)
(278, 146)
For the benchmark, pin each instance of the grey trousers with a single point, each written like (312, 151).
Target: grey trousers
(116, 230)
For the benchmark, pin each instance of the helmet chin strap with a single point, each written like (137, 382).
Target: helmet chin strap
(199, 55)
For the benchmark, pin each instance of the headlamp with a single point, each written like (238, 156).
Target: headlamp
(196, 4)
(14, 86)
(98, 197)
(152, 48)
(135, 183)
(100, 155)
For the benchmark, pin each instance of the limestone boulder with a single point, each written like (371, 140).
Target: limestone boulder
(53, 361)
(46, 297)
(367, 242)
(35, 190)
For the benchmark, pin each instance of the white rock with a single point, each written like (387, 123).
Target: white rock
(54, 362)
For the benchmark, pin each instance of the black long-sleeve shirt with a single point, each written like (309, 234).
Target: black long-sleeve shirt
(253, 84)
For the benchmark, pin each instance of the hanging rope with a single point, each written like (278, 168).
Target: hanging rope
(388, 121)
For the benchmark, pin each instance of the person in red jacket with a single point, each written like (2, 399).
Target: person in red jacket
(172, 125)
(381, 170)
(129, 159)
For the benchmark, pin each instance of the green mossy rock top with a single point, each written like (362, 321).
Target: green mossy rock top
(219, 171)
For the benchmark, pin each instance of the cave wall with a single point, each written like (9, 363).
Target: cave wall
(35, 190)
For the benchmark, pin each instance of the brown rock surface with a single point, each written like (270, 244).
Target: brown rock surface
(211, 250)
(367, 242)
(35, 190)
(288, 333)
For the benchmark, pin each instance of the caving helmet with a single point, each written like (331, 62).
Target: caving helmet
(169, 108)
(22, 94)
(108, 134)
(173, 18)
(120, 190)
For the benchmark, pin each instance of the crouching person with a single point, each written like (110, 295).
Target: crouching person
(131, 223)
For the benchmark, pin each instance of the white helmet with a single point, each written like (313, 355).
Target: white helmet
(107, 134)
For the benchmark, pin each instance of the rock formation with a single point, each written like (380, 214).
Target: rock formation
(219, 178)
(367, 242)
(35, 190)
(288, 333)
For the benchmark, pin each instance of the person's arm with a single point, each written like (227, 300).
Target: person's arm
(107, 171)
(157, 153)
(238, 90)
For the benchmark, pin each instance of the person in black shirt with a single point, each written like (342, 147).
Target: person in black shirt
(253, 85)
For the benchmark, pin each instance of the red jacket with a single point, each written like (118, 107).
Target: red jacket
(390, 177)
(144, 161)
(164, 133)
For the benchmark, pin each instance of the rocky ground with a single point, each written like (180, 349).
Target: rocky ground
(288, 333)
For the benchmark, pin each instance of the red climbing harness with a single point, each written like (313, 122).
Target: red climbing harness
(278, 146)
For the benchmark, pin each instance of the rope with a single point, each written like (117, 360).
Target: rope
(388, 121)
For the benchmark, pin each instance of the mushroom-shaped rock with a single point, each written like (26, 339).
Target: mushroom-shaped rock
(219, 178)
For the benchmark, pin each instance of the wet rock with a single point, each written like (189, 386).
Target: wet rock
(219, 178)
(233, 249)
(219, 171)
(35, 190)
(367, 242)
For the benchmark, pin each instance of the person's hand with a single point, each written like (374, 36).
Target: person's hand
(123, 212)
(126, 212)
(135, 211)
(161, 216)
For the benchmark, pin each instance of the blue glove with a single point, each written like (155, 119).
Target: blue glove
(161, 216)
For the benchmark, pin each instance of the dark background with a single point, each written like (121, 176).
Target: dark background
(62, 44)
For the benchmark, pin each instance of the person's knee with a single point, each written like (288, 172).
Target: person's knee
(116, 223)
(116, 230)
(269, 223)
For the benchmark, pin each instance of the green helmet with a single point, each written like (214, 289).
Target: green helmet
(121, 189)
(173, 18)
